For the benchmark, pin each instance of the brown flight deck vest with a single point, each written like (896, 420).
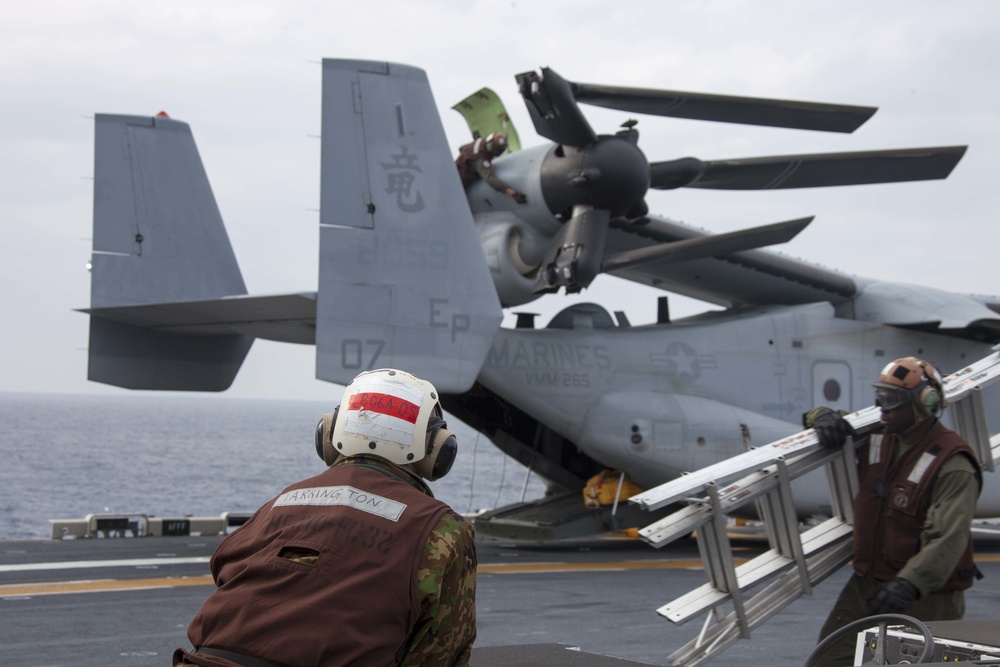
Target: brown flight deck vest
(893, 499)
(355, 603)
(468, 155)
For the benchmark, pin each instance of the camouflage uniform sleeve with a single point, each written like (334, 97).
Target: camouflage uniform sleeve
(947, 527)
(485, 170)
(446, 629)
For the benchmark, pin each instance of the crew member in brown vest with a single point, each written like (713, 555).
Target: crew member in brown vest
(359, 565)
(475, 161)
(918, 483)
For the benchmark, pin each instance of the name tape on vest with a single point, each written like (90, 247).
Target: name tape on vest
(346, 496)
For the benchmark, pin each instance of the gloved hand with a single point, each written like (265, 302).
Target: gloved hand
(893, 597)
(831, 427)
(519, 197)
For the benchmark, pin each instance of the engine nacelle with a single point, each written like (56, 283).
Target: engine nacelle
(514, 251)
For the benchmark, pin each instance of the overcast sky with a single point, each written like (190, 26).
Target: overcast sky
(245, 76)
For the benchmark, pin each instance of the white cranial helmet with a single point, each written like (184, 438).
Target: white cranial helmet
(384, 413)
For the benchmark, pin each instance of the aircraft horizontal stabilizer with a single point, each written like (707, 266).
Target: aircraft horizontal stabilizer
(403, 281)
(286, 318)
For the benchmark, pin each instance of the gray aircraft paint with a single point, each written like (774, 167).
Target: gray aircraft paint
(417, 294)
(410, 272)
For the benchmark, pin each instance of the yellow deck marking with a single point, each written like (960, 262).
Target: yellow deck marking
(677, 564)
(100, 585)
(106, 585)
(525, 568)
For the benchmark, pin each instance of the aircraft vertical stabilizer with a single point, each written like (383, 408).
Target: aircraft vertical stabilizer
(402, 281)
(158, 237)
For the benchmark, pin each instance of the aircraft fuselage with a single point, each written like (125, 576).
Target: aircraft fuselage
(661, 400)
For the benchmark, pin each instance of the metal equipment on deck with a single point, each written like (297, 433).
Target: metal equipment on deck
(557, 517)
(140, 524)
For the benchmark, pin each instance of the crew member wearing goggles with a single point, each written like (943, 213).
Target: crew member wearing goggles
(918, 483)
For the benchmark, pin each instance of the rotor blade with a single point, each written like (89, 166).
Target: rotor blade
(808, 171)
(553, 109)
(679, 173)
(726, 108)
(708, 246)
(574, 256)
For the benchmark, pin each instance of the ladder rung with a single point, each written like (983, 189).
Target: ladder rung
(754, 571)
(737, 494)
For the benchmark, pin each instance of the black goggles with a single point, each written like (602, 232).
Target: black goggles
(891, 399)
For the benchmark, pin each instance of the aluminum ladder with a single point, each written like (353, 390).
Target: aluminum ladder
(796, 561)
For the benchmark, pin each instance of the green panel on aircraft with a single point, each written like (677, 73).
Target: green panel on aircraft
(485, 113)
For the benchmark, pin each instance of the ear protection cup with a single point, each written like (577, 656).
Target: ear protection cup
(319, 438)
(442, 448)
(324, 433)
(929, 401)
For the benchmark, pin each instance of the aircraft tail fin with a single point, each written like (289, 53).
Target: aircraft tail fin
(158, 238)
(403, 281)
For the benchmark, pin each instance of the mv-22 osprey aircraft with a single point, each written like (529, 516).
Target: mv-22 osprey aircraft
(415, 273)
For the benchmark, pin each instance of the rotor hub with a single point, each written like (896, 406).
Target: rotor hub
(610, 174)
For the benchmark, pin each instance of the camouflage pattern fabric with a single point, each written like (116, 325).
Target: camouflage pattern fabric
(446, 630)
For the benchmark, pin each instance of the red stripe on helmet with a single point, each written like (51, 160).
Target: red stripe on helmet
(385, 404)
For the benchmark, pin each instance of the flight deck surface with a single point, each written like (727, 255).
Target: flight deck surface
(127, 601)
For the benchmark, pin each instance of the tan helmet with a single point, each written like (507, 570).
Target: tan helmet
(393, 415)
(910, 379)
(496, 143)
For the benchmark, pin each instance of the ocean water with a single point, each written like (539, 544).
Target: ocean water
(66, 456)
